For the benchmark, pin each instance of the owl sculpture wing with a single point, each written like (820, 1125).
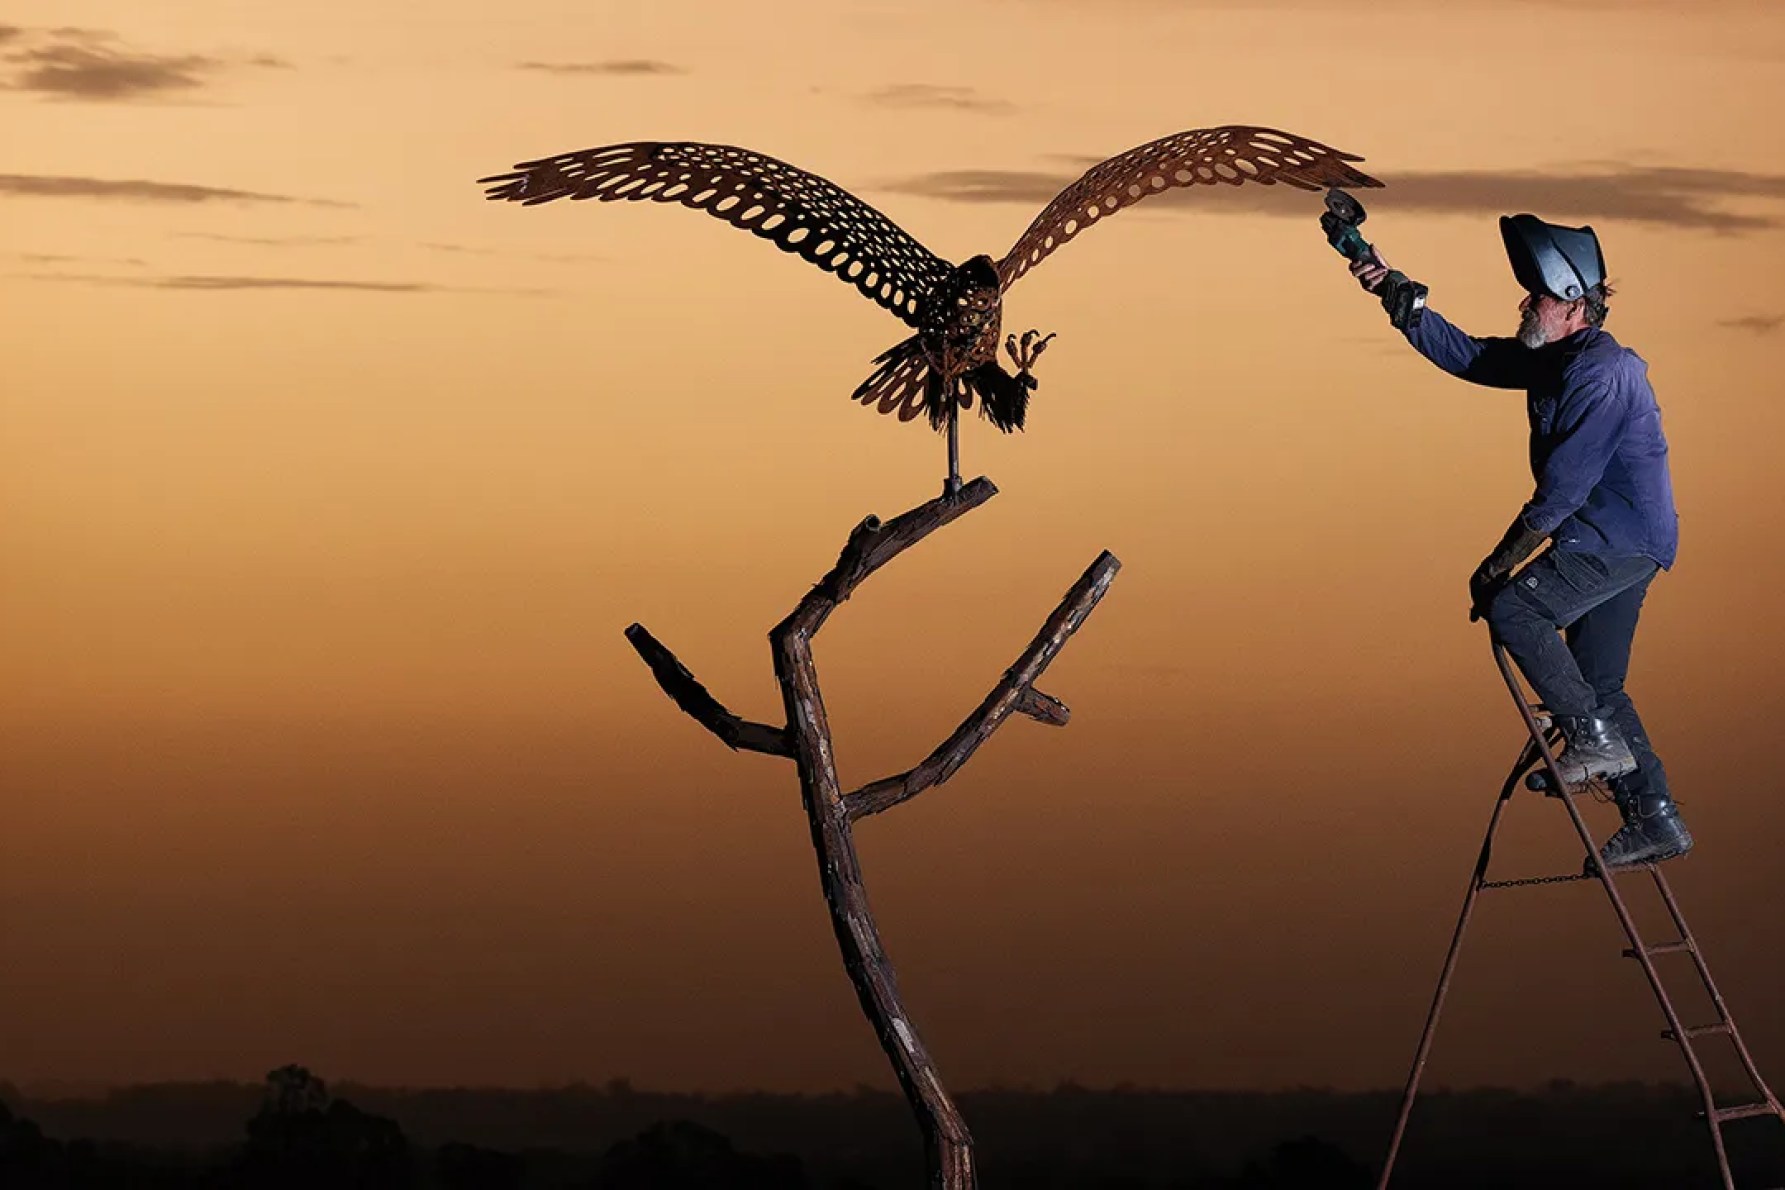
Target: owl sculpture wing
(1232, 154)
(799, 212)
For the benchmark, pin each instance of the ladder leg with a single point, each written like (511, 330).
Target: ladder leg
(1450, 962)
(1607, 878)
(1724, 1017)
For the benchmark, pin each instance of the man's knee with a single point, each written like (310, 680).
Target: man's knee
(1512, 613)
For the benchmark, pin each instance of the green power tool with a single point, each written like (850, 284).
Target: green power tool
(1403, 297)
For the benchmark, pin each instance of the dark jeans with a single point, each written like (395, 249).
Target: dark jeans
(1595, 599)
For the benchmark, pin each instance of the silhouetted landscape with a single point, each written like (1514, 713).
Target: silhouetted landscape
(296, 1131)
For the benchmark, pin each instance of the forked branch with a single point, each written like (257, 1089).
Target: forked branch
(694, 698)
(1014, 693)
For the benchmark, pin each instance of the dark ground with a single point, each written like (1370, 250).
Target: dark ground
(292, 1132)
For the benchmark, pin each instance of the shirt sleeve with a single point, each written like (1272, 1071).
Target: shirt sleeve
(1590, 423)
(1496, 363)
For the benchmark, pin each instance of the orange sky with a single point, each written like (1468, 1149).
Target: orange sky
(326, 489)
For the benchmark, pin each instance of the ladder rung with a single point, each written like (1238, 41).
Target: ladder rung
(1745, 1111)
(1699, 1031)
(1663, 948)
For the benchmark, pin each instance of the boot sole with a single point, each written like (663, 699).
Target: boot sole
(1657, 856)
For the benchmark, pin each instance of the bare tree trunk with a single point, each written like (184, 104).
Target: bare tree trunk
(948, 1146)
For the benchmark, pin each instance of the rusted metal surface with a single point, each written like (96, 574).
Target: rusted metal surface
(1539, 749)
(956, 310)
(798, 212)
(948, 1145)
(1231, 155)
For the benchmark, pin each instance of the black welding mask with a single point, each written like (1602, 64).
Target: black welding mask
(1563, 262)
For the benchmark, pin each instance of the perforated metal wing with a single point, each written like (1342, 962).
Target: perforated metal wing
(1231, 154)
(801, 213)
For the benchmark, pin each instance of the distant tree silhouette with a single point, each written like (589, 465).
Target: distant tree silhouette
(681, 1155)
(27, 1157)
(292, 1091)
(302, 1137)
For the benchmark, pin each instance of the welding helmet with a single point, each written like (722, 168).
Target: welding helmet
(1563, 262)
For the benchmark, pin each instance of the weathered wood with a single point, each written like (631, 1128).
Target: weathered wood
(1043, 708)
(706, 710)
(1015, 692)
(948, 1146)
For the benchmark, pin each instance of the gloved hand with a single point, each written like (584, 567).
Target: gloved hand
(1402, 297)
(1370, 272)
(1519, 543)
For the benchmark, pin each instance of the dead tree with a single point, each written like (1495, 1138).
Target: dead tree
(806, 738)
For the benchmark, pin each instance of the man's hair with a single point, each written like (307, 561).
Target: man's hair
(1598, 302)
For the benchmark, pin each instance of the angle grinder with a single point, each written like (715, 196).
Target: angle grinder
(1403, 297)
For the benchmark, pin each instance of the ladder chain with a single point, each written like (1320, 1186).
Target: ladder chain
(1528, 881)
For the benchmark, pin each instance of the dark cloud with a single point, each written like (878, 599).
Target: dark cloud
(612, 66)
(1669, 195)
(83, 72)
(1759, 324)
(135, 189)
(9, 33)
(964, 99)
(70, 63)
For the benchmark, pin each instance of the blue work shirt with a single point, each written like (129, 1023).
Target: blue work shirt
(1597, 450)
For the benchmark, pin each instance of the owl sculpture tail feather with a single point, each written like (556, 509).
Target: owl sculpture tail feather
(1003, 398)
(904, 382)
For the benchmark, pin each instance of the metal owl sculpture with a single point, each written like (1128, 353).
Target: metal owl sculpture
(954, 310)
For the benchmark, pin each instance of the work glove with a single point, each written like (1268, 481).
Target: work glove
(1519, 543)
(1402, 297)
(1371, 272)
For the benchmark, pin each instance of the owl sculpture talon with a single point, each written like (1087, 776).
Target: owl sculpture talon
(1024, 353)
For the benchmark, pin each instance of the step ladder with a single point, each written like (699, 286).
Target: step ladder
(1536, 768)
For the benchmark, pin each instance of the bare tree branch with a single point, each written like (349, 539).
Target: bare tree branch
(1014, 692)
(948, 1145)
(872, 545)
(693, 698)
(1043, 708)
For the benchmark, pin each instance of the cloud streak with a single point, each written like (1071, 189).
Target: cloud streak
(86, 64)
(1757, 324)
(269, 241)
(80, 72)
(1668, 195)
(60, 258)
(616, 66)
(216, 283)
(139, 190)
(930, 95)
(550, 257)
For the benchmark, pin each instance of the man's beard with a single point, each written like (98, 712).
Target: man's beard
(1530, 330)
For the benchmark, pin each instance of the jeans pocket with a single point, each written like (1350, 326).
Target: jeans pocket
(1586, 573)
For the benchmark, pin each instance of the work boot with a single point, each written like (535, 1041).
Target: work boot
(1652, 832)
(1595, 748)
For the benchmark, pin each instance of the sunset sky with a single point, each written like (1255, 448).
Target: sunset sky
(327, 488)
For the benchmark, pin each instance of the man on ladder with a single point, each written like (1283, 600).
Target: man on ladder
(1604, 500)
